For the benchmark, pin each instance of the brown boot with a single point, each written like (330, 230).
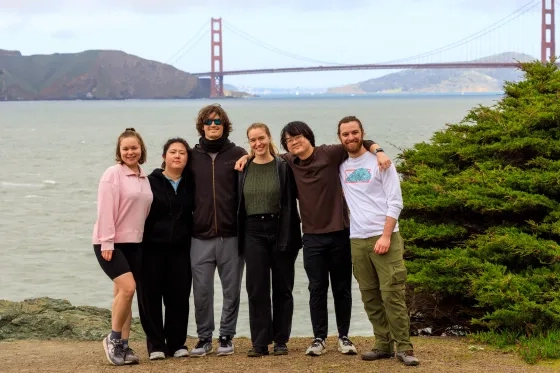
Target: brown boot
(408, 358)
(376, 355)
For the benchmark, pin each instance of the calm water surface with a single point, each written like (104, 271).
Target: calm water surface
(52, 155)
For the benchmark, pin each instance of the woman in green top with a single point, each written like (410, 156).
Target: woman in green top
(270, 239)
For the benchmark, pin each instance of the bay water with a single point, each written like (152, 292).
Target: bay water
(52, 155)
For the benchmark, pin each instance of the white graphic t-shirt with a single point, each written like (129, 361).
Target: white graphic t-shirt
(371, 194)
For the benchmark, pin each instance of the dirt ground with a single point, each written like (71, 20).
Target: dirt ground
(436, 355)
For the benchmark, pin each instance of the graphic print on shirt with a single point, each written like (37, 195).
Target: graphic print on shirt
(357, 175)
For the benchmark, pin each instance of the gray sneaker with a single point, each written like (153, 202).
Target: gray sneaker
(202, 348)
(226, 346)
(376, 355)
(408, 358)
(114, 350)
(130, 356)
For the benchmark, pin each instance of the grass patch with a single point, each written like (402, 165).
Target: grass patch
(540, 347)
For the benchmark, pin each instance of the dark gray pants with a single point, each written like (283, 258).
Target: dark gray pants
(206, 256)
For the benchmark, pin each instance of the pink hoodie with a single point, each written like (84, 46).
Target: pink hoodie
(123, 203)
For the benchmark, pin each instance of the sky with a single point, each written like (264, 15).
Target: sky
(273, 33)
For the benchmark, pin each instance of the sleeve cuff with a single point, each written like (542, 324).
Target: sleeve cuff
(394, 212)
(107, 246)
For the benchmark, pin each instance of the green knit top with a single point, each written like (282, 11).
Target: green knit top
(262, 189)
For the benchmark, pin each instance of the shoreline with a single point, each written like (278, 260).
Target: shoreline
(323, 95)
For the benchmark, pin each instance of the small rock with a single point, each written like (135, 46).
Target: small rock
(475, 348)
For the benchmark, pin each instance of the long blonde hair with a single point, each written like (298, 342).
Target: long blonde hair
(271, 146)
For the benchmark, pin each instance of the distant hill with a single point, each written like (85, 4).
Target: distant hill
(93, 74)
(442, 80)
(230, 87)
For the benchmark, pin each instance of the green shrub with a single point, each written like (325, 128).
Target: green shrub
(482, 214)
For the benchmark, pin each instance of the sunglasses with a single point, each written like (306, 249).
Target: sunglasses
(209, 122)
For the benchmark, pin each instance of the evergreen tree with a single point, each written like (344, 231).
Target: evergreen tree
(482, 213)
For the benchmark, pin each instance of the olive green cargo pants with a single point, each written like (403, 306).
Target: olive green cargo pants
(381, 280)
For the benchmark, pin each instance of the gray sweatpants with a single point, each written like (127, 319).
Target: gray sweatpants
(206, 255)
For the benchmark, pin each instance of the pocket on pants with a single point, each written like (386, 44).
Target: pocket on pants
(398, 272)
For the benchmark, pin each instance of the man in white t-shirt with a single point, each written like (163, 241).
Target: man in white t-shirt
(375, 202)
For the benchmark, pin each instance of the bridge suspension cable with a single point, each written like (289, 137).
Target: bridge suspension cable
(269, 47)
(195, 39)
(477, 35)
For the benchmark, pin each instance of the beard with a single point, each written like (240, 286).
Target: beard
(354, 147)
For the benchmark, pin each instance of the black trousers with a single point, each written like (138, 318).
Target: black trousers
(327, 255)
(166, 275)
(262, 262)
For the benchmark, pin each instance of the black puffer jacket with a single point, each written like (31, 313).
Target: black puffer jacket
(169, 223)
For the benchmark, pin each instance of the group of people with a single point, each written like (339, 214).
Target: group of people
(215, 206)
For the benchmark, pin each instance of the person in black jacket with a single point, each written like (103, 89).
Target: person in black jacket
(270, 240)
(166, 268)
(214, 236)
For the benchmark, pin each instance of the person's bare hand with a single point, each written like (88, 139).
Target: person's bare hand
(382, 245)
(383, 160)
(107, 255)
(241, 162)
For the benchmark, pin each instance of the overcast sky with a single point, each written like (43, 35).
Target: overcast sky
(338, 31)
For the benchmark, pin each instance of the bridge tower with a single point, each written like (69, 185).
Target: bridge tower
(548, 30)
(217, 60)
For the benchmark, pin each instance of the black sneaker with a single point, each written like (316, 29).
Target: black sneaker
(226, 346)
(257, 352)
(280, 349)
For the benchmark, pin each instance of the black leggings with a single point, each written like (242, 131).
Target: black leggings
(126, 258)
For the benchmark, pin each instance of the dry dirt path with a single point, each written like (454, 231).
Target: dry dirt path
(437, 355)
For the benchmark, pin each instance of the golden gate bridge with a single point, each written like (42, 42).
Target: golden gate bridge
(217, 72)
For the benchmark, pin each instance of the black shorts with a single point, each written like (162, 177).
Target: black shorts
(126, 258)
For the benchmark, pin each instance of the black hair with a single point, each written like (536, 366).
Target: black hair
(296, 128)
(172, 141)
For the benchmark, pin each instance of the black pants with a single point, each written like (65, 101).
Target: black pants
(323, 255)
(166, 274)
(268, 325)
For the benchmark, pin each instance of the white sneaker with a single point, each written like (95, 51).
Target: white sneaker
(317, 347)
(182, 352)
(157, 355)
(346, 346)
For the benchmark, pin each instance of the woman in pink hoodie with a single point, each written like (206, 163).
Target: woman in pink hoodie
(123, 202)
